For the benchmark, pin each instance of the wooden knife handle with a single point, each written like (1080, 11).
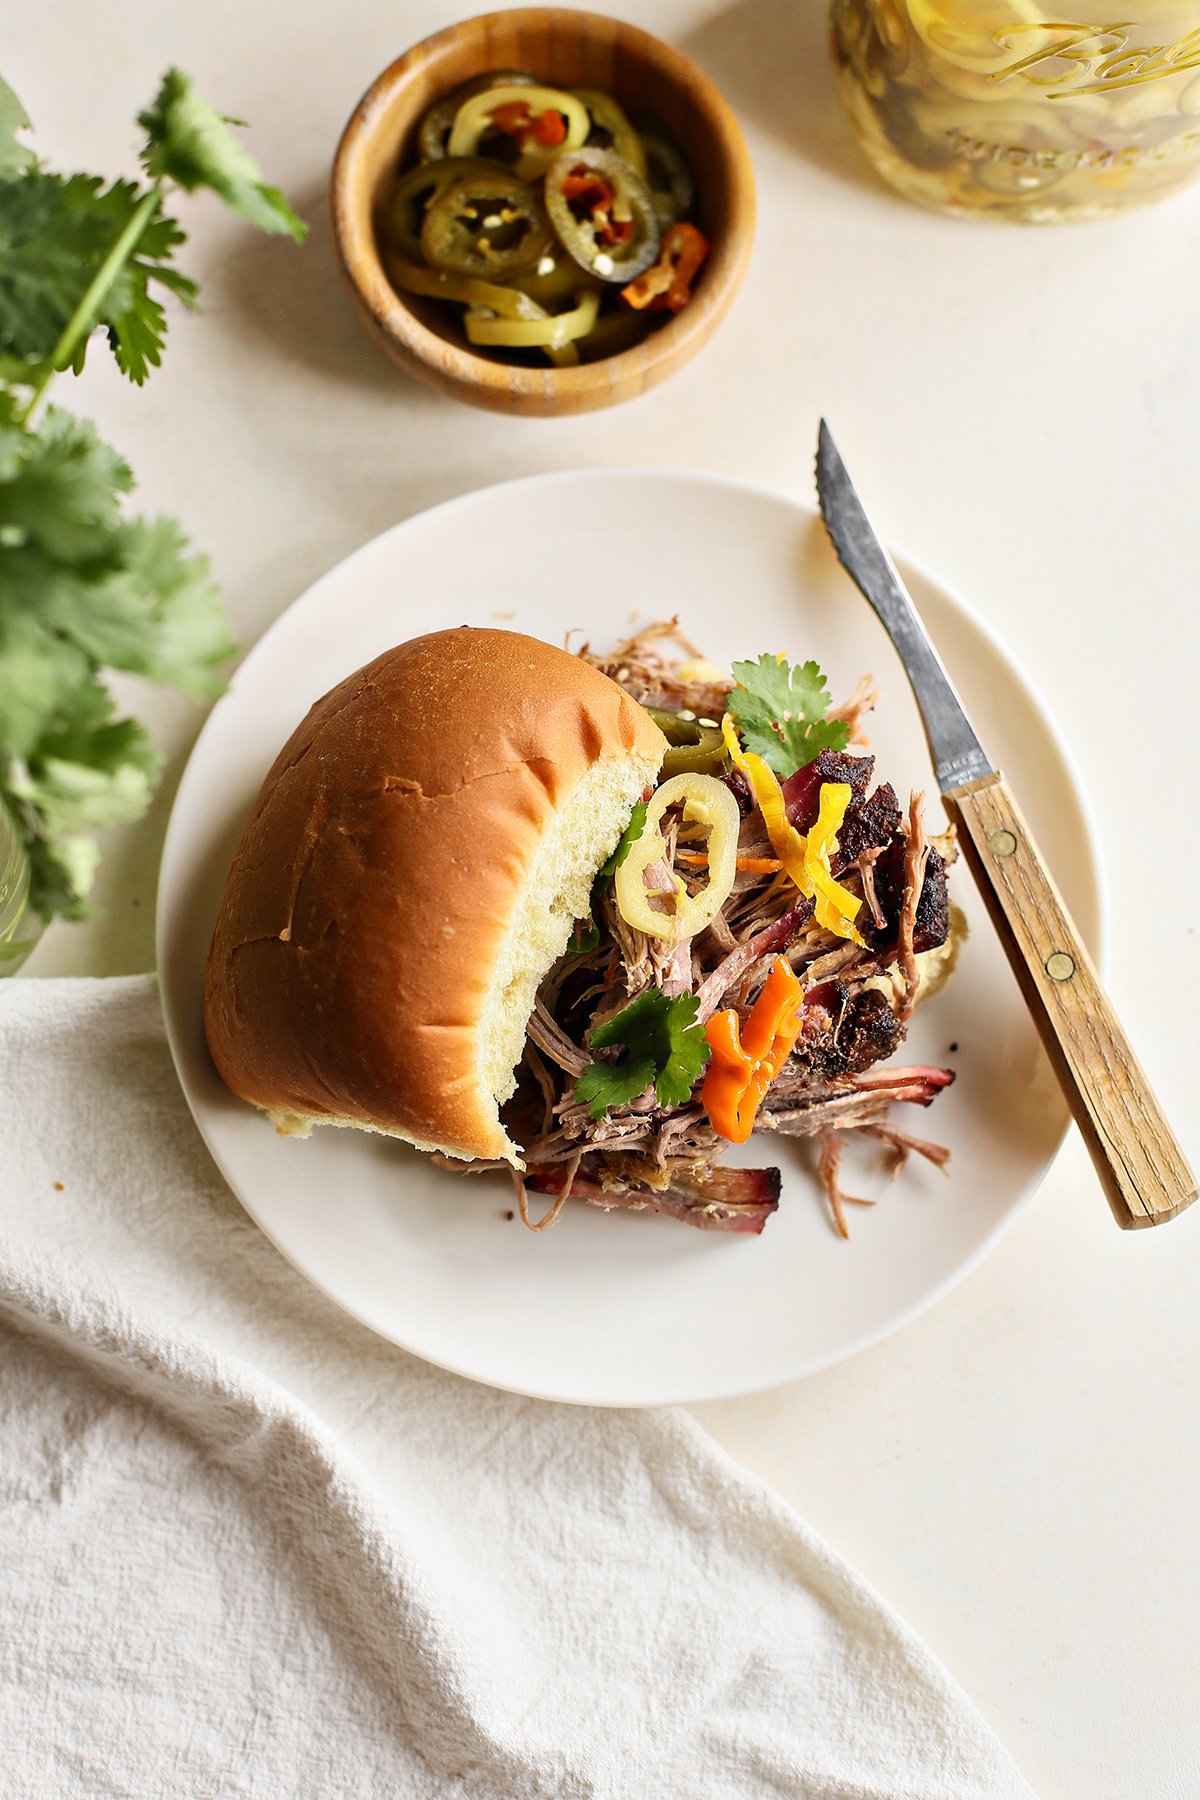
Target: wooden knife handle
(1137, 1156)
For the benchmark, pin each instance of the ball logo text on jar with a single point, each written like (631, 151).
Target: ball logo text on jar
(1100, 59)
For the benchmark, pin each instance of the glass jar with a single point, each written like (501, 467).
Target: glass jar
(20, 926)
(1005, 108)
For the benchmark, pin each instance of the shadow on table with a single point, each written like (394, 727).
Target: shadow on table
(771, 60)
(300, 300)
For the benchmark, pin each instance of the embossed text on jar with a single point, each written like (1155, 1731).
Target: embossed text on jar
(1007, 109)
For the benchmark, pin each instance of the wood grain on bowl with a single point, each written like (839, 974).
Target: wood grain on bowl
(564, 49)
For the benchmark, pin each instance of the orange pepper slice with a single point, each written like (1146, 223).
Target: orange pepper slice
(749, 865)
(667, 285)
(746, 1059)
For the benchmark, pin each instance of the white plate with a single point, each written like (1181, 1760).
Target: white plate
(618, 1308)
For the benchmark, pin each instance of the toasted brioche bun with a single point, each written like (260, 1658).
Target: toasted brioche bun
(411, 870)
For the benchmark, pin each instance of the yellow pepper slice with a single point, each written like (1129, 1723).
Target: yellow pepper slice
(834, 903)
(805, 860)
(707, 802)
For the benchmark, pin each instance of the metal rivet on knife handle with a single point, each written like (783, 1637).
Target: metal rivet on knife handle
(1060, 966)
(1003, 843)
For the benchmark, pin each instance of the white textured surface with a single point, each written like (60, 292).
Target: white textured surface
(1023, 409)
(250, 1549)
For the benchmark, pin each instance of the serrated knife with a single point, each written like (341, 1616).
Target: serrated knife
(1137, 1156)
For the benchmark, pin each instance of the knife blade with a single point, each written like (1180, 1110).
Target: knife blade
(1141, 1166)
(957, 753)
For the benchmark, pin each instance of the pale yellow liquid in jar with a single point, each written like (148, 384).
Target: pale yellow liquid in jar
(1007, 109)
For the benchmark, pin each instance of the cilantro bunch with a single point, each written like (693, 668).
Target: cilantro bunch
(84, 585)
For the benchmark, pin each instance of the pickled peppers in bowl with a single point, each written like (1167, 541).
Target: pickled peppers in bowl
(560, 227)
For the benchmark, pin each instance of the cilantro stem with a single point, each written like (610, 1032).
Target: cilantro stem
(84, 317)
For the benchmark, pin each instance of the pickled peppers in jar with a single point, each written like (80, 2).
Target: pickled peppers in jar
(1005, 108)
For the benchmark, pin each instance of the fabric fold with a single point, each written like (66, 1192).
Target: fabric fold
(248, 1548)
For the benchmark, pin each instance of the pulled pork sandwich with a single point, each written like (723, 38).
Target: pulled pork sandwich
(588, 919)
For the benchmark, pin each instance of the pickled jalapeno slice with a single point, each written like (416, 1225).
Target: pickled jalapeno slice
(414, 193)
(675, 728)
(539, 121)
(611, 129)
(602, 214)
(488, 224)
(695, 749)
(707, 756)
(554, 278)
(433, 132)
(667, 176)
(441, 284)
(554, 331)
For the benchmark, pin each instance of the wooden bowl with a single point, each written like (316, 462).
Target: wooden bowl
(563, 49)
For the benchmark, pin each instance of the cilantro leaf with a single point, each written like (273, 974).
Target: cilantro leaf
(88, 779)
(60, 492)
(83, 588)
(604, 1085)
(157, 614)
(55, 233)
(626, 841)
(61, 873)
(14, 157)
(780, 710)
(189, 142)
(137, 324)
(87, 773)
(665, 1047)
(39, 681)
(584, 938)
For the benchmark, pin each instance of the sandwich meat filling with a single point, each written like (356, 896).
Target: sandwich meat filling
(753, 955)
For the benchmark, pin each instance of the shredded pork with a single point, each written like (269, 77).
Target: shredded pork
(837, 1080)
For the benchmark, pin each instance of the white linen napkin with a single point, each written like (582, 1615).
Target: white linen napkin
(248, 1548)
